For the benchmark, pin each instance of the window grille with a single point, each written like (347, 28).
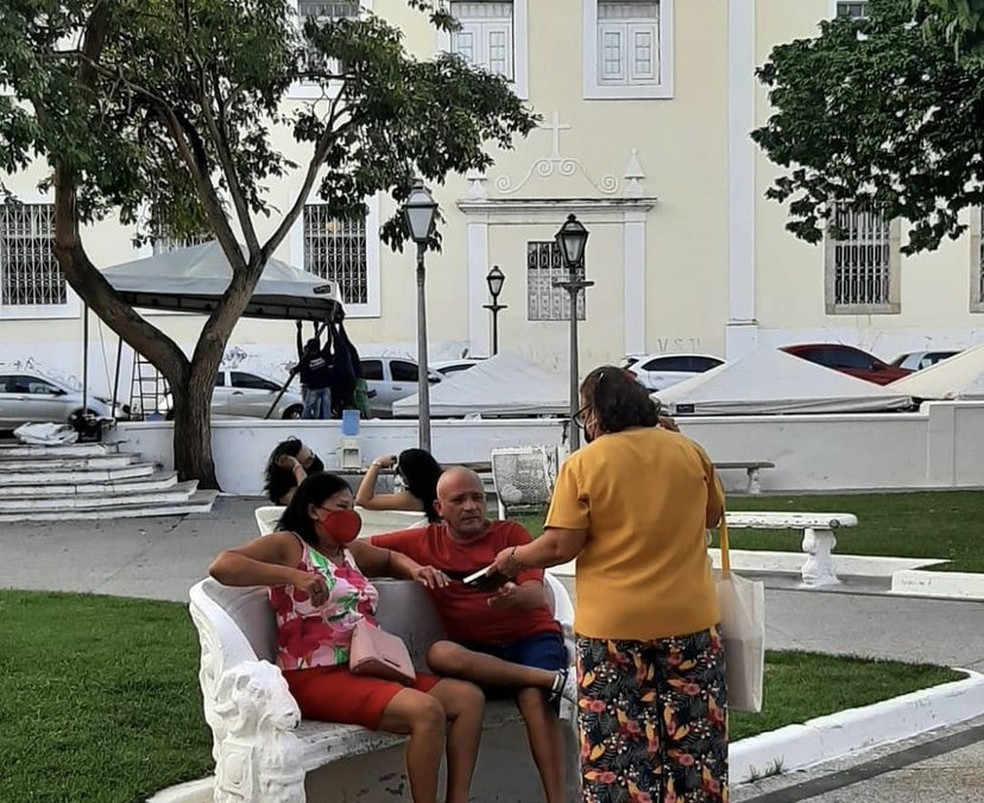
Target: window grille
(544, 266)
(336, 250)
(853, 10)
(861, 260)
(485, 38)
(628, 42)
(29, 272)
(320, 11)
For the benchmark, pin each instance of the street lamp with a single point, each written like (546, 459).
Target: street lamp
(419, 212)
(495, 279)
(571, 239)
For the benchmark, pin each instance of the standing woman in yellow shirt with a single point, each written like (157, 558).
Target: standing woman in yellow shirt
(632, 506)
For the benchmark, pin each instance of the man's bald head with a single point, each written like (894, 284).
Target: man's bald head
(461, 503)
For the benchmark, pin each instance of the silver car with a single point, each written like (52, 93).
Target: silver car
(389, 379)
(244, 394)
(26, 397)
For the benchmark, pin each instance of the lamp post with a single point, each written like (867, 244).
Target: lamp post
(572, 238)
(419, 212)
(495, 279)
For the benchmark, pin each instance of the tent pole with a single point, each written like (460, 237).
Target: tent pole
(116, 378)
(85, 359)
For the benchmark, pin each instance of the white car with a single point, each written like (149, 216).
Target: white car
(388, 379)
(27, 397)
(917, 360)
(244, 394)
(660, 371)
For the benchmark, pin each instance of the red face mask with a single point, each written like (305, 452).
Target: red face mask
(342, 526)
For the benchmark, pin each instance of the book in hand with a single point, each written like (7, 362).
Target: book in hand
(487, 579)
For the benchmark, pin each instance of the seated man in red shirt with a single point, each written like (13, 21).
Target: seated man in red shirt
(505, 639)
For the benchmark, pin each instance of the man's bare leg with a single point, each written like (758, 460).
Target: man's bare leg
(452, 660)
(546, 737)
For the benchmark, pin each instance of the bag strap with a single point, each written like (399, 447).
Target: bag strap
(725, 551)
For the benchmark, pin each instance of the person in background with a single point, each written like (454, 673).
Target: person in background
(288, 466)
(419, 471)
(504, 639)
(346, 368)
(317, 574)
(315, 371)
(633, 507)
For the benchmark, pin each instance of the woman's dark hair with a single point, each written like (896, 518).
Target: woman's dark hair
(277, 480)
(313, 491)
(617, 400)
(420, 471)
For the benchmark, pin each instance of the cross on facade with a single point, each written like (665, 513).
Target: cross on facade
(555, 127)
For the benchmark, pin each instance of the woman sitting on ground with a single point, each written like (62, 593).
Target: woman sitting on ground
(289, 464)
(316, 572)
(419, 471)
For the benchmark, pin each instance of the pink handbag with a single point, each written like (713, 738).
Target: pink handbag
(380, 654)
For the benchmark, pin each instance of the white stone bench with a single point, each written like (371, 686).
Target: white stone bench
(751, 469)
(818, 538)
(265, 753)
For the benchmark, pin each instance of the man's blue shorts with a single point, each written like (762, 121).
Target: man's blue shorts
(542, 650)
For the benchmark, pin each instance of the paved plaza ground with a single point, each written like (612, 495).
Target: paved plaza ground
(160, 558)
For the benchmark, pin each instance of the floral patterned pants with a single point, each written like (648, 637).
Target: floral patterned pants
(653, 720)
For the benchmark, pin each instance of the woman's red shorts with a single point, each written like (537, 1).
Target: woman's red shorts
(334, 694)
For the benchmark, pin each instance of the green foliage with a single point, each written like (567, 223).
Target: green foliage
(188, 92)
(873, 113)
(960, 22)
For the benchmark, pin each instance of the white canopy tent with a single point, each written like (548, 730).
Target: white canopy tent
(194, 279)
(504, 385)
(958, 377)
(769, 381)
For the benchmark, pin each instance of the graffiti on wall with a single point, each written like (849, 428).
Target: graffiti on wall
(33, 365)
(677, 345)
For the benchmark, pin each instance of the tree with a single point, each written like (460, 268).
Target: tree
(960, 22)
(871, 113)
(168, 106)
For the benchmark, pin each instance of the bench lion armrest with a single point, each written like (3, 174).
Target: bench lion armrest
(257, 755)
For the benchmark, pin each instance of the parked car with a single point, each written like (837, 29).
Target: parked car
(244, 394)
(448, 367)
(917, 360)
(660, 371)
(389, 379)
(28, 397)
(848, 360)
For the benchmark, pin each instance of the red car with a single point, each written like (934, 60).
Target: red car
(848, 360)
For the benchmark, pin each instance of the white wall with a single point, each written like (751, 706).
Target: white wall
(938, 447)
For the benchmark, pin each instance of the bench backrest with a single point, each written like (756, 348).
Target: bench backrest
(374, 522)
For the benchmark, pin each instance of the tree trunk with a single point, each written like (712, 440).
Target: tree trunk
(192, 442)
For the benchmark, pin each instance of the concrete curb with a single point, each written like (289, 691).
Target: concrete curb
(796, 747)
(960, 585)
(857, 729)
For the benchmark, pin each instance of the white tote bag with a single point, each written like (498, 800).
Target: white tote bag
(742, 604)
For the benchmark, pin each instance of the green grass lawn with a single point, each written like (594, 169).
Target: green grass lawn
(99, 699)
(929, 524)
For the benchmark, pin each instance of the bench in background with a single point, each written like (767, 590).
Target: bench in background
(751, 468)
(818, 538)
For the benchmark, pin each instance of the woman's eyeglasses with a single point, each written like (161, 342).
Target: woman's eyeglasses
(579, 416)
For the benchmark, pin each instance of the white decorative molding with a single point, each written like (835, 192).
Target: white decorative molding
(634, 176)
(556, 164)
(634, 280)
(477, 258)
(476, 185)
(599, 208)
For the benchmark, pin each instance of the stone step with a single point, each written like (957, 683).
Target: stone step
(150, 482)
(179, 492)
(199, 502)
(45, 465)
(8, 450)
(76, 476)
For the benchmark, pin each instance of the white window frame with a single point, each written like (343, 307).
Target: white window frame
(520, 44)
(836, 4)
(977, 260)
(72, 307)
(370, 309)
(301, 90)
(594, 89)
(893, 306)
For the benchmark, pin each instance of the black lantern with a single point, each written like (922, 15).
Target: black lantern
(571, 239)
(495, 279)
